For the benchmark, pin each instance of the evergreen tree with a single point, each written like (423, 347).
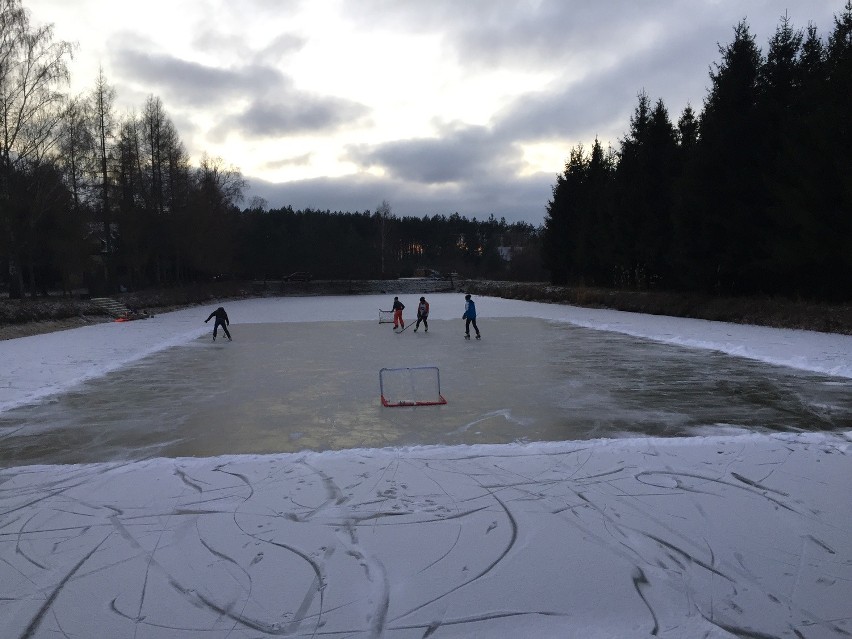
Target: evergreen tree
(729, 158)
(687, 130)
(595, 256)
(644, 184)
(780, 85)
(686, 214)
(559, 240)
(630, 206)
(837, 275)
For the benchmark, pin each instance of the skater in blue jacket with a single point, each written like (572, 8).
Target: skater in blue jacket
(469, 317)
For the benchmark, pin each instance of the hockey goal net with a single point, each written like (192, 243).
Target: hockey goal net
(418, 386)
(385, 317)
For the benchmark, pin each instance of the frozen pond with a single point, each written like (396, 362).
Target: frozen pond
(603, 474)
(286, 387)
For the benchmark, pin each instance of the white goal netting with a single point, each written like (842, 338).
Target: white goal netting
(418, 386)
(385, 317)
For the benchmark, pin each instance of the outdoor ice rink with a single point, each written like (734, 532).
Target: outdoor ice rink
(296, 385)
(593, 474)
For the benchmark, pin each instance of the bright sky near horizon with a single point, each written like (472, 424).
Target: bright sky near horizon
(436, 107)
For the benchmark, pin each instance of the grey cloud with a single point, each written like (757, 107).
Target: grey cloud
(508, 33)
(520, 199)
(242, 48)
(277, 107)
(602, 102)
(664, 47)
(299, 160)
(292, 113)
(281, 46)
(465, 169)
(457, 155)
(551, 32)
(194, 83)
(556, 33)
(568, 113)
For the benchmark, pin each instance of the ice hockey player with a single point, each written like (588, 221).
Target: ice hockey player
(397, 313)
(469, 317)
(422, 315)
(221, 320)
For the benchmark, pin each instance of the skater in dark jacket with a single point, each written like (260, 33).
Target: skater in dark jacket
(221, 320)
(397, 313)
(469, 317)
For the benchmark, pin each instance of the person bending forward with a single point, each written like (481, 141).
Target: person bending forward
(221, 320)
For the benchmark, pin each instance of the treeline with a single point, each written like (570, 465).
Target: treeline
(374, 245)
(96, 199)
(88, 197)
(751, 195)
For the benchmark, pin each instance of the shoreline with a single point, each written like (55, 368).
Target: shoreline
(50, 314)
(41, 327)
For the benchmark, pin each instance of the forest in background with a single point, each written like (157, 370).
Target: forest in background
(94, 199)
(751, 195)
(379, 245)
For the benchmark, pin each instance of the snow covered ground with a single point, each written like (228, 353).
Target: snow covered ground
(729, 534)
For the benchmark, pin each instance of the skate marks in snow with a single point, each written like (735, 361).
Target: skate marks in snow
(707, 537)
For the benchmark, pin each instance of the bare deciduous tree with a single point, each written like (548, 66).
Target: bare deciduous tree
(102, 102)
(33, 72)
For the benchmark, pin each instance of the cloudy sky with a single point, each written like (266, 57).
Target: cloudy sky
(437, 106)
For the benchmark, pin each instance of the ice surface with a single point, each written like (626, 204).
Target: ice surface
(739, 532)
(286, 387)
(39, 366)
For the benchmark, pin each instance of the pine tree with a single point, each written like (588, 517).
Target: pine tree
(686, 214)
(559, 236)
(728, 159)
(596, 268)
(779, 89)
(644, 185)
(837, 276)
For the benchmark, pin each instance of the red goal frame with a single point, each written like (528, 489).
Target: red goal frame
(438, 401)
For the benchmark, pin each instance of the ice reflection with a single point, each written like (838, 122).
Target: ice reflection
(290, 387)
